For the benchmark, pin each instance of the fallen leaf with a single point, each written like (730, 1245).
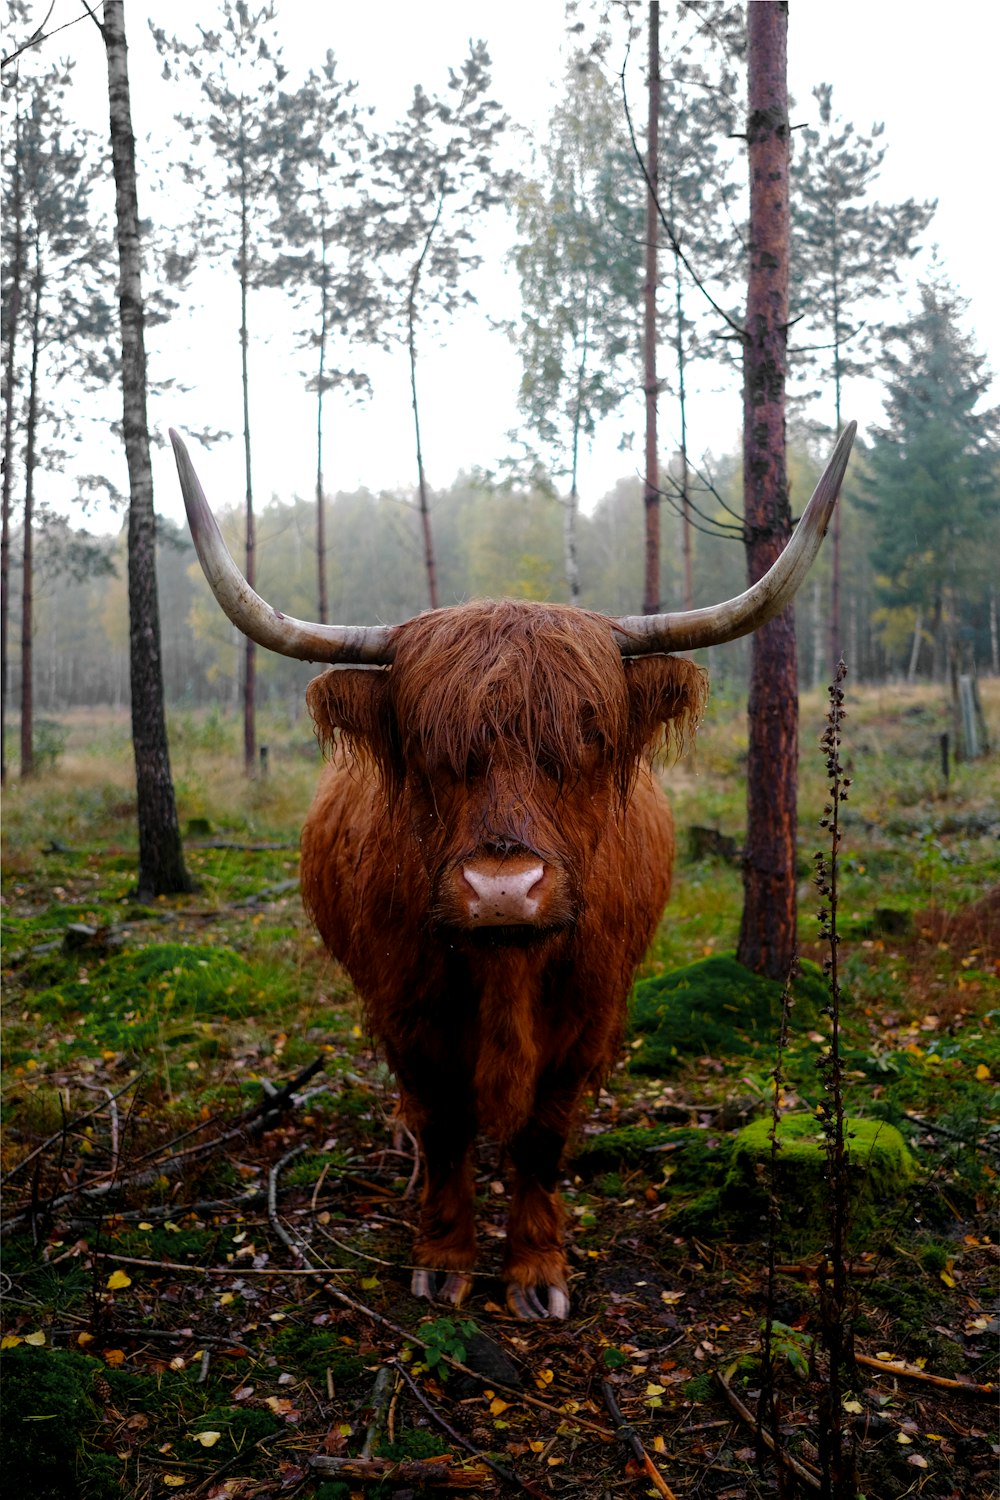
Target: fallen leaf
(35, 1339)
(117, 1280)
(207, 1439)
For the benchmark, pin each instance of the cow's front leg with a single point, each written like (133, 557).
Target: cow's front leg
(535, 1262)
(445, 1248)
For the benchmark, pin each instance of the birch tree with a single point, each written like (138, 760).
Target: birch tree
(161, 857)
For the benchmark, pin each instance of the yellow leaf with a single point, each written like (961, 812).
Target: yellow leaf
(225, 1299)
(174, 1480)
(853, 1406)
(901, 1437)
(36, 1339)
(544, 1378)
(884, 1356)
(206, 1439)
(536, 1445)
(653, 1389)
(173, 1228)
(982, 1072)
(659, 1445)
(144, 1224)
(84, 1338)
(114, 1357)
(497, 1406)
(117, 1280)
(671, 1297)
(946, 1275)
(9, 1341)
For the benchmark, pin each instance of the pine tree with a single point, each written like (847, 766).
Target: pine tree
(934, 485)
(437, 174)
(768, 929)
(238, 71)
(846, 253)
(161, 856)
(319, 238)
(580, 269)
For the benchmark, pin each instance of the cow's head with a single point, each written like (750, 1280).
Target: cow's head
(506, 734)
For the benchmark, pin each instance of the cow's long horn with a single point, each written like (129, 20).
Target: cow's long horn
(687, 630)
(368, 644)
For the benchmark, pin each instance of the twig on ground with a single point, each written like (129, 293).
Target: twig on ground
(808, 1475)
(272, 1204)
(436, 1472)
(627, 1434)
(58, 1134)
(507, 1475)
(891, 1367)
(385, 1384)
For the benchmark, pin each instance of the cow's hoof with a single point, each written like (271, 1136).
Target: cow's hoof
(454, 1288)
(525, 1303)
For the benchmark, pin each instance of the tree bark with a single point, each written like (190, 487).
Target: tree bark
(423, 503)
(250, 554)
(651, 493)
(321, 595)
(767, 941)
(161, 857)
(27, 540)
(12, 313)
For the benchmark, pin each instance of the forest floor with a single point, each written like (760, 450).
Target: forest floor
(209, 1200)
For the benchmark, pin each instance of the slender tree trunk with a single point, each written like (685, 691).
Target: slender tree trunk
(571, 512)
(12, 314)
(27, 540)
(685, 479)
(161, 857)
(321, 599)
(918, 631)
(835, 606)
(768, 930)
(994, 633)
(423, 503)
(250, 570)
(651, 492)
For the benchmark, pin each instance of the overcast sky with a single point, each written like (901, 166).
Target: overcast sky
(926, 70)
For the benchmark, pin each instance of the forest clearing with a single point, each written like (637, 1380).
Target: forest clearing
(195, 1118)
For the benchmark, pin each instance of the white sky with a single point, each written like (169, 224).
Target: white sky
(925, 70)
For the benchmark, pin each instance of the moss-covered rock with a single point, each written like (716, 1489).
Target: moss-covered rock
(715, 1007)
(880, 1169)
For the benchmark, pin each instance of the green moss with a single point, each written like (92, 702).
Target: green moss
(48, 1407)
(700, 1389)
(413, 1443)
(880, 1168)
(715, 1007)
(694, 1158)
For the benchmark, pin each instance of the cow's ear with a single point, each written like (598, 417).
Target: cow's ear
(667, 696)
(354, 701)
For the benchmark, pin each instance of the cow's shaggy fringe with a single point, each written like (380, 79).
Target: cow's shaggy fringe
(486, 680)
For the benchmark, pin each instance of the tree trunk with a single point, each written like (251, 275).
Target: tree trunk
(651, 493)
(321, 599)
(918, 635)
(250, 555)
(27, 541)
(685, 474)
(768, 930)
(161, 857)
(423, 504)
(12, 313)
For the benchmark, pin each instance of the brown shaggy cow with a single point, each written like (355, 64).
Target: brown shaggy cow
(488, 855)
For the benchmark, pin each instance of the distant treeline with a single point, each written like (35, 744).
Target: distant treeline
(491, 541)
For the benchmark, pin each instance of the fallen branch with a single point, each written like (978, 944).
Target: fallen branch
(507, 1475)
(438, 1473)
(807, 1474)
(58, 1135)
(627, 1434)
(262, 1116)
(891, 1367)
(385, 1384)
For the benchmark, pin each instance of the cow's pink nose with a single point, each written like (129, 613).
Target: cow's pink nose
(503, 894)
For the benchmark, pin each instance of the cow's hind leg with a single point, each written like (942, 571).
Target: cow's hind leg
(445, 1249)
(535, 1262)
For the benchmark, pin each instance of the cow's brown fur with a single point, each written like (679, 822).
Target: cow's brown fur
(499, 726)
